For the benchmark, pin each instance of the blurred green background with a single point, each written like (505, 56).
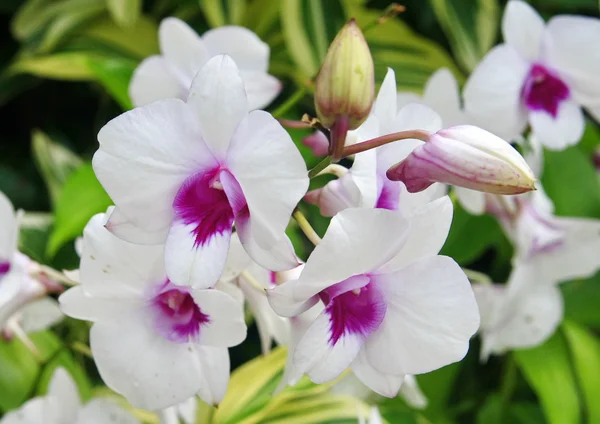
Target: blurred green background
(65, 68)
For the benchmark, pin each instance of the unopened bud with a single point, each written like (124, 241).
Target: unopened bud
(465, 156)
(345, 86)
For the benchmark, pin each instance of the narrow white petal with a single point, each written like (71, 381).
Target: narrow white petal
(248, 51)
(152, 80)
(182, 48)
(523, 28)
(492, 94)
(63, 387)
(9, 229)
(261, 88)
(412, 394)
(429, 227)
(218, 99)
(215, 373)
(441, 94)
(40, 315)
(570, 47)
(271, 173)
(385, 108)
(473, 201)
(381, 233)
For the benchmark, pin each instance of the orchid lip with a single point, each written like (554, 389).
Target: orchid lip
(4, 268)
(355, 307)
(544, 90)
(176, 316)
(203, 202)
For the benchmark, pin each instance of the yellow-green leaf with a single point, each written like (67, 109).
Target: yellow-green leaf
(71, 66)
(393, 44)
(471, 27)
(81, 198)
(251, 386)
(54, 161)
(308, 27)
(140, 40)
(125, 12)
(585, 351)
(547, 369)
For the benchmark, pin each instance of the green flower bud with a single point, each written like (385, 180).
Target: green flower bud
(345, 86)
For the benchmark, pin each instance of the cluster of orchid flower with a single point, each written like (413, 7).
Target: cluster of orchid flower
(204, 186)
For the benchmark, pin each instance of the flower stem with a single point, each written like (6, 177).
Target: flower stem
(253, 282)
(290, 102)
(385, 139)
(55, 275)
(288, 123)
(319, 167)
(82, 348)
(509, 380)
(306, 228)
(391, 11)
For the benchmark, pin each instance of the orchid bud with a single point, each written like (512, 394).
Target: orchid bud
(465, 156)
(345, 86)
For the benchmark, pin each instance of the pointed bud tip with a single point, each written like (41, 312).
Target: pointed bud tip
(465, 156)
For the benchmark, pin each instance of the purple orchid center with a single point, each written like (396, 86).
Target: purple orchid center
(545, 235)
(389, 193)
(544, 90)
(355, 307)
(176, 316)
(209, 202)
(4, 268)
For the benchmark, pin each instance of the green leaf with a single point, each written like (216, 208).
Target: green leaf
(262, 16)
(213, 12)
(309, 26)
(581, 299)
(114, 75)
(526, 413)
(393, 44)
(65, 360)
(437, 386)
(125, 12)
(67, 22)
(82, 197)
(63, 66)
(585, 351)
(138, 41)
(251, 386)
(322, 408)
(31, 18)
(483, 231)
(571, 181)
(54, 161)
(33, 234)
(35, 15)
(250, 399)
(548, 371)
(20, 368)
(491, 411)
(471, 27)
